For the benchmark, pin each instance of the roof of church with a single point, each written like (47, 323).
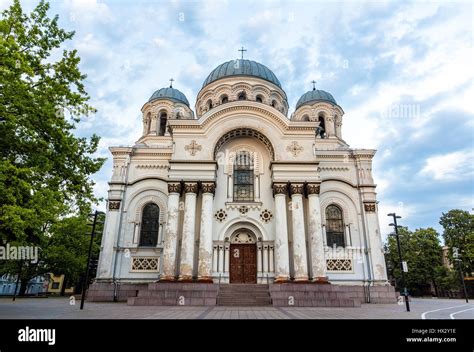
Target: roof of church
(169, 93)
(315, 95)
(242, 67)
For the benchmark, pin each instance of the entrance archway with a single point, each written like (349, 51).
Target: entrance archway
(243, 257)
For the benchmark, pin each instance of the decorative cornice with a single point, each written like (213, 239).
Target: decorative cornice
(296, 188)
(191, 187)
(313, 188)
(208, 187)
(152, 166)
(338, 169)
(174, 187)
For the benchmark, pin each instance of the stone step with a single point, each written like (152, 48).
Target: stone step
(278, 302)
(244, 295)
(158, 301)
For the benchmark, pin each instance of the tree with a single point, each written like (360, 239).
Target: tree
(44, 167)
(422, 251)
(458, 232)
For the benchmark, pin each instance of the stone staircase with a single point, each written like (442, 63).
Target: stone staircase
(244, 295)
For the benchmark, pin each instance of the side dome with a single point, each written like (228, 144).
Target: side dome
(169, 93)
(242, 67)
(315, 95)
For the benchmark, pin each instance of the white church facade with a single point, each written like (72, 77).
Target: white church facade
(241, 191)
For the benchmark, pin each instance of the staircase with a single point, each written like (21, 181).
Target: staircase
(243, 295)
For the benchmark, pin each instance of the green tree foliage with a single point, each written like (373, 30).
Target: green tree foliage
(458, 232)
(422, 251)
(44, 167)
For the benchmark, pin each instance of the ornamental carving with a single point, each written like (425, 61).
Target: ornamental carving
(296, 188)
(193, 148)
(279, 188)
(294, 148)
(114, 204)
(191, 187)
(266, 216)
(369, 207)
(243, 209)
(220, 215)
(174, 187)
(243, 237)
(208, 187)
(312, 188)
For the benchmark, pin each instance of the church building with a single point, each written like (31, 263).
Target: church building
(242, 190)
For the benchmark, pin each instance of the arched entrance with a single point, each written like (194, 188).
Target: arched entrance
(243, 257)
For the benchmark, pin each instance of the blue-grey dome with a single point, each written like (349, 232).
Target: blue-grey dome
(315, 95)
(169, 93)
(242, 67)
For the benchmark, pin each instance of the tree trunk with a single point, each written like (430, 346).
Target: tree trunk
(23, 287)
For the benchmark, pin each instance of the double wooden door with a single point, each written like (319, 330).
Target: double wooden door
(243, 264)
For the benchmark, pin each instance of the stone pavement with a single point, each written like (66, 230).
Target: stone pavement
(60, 308)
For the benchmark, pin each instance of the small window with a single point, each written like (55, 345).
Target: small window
(274, 104)
(334, 226)
(163, 120)
(224, 99)
(243, 177)
(148, 123)
(150, 225)
(259, 99)
(209, 104)
(322, 125)
(305, 118)
(242, 96)
(55, 285)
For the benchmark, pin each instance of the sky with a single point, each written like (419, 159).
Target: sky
(402, 71)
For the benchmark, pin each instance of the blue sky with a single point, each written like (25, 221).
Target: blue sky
(402, 72)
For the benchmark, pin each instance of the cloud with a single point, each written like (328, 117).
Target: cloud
(450, 167)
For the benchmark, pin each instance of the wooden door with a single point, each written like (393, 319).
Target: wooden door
(243, 263)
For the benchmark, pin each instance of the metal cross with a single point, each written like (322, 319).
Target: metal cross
(242, 50)
(171, 82)
(314, 84)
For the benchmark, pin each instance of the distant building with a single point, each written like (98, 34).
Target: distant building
(8, 284)
(446, 262)
(56, 283)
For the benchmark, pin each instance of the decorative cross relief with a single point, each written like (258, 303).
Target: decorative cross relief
(193, 148)
(294, 148)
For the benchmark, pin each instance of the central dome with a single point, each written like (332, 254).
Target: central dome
(242, 67)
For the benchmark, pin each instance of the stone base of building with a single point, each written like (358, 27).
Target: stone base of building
(176, 294)
(316, 295)
(104, 291)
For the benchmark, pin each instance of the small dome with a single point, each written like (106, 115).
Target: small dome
(315, 95)
(242, 67)
(169, 93)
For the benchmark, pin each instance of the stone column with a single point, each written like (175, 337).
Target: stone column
(299, 238)
(318, 261)
(187, 247)
(226, 257)
(205, 241)
(271, 259)
(375, 242)
(259, 258)
(221, 258)
(265, 258)
(215, 258)
(171, 232)
(282, 258)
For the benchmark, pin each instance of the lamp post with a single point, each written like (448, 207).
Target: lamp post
(84, 284)
(458, 260)
(395, 225)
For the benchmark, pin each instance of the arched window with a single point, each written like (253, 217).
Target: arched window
(322, 125)
(242, 96)
(274, 104)
(243, 177)
(163, 119)
(259, 99)
(209, 104)
(148, 123)
(334, 226)
(224, 99)
(305, 117)
(150, 225)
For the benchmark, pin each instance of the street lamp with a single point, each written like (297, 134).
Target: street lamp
(84, 284)
(458, 260)
(395, 225)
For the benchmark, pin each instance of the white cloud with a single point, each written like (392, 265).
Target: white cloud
(450, 167)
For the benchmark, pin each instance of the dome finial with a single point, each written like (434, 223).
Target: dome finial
(314, 84)
(242, 50)
(171, 82)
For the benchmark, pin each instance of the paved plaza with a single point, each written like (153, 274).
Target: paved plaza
(62, 308)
